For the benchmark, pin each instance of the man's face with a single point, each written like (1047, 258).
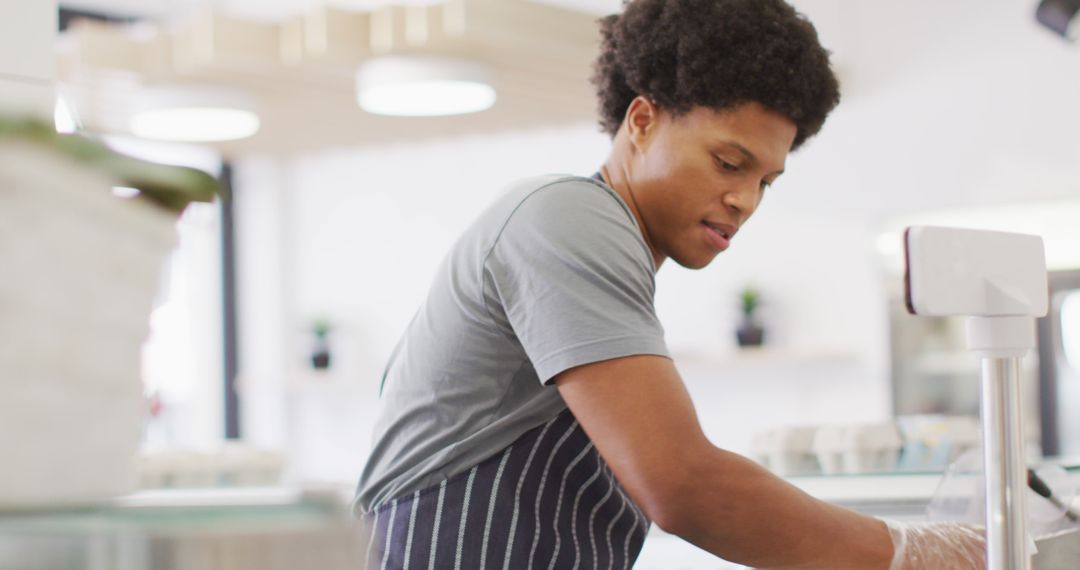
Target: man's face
(698, 177)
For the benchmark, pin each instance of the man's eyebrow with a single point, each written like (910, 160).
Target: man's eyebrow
(746, 153)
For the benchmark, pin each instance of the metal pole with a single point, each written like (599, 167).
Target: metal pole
(1005, 465)
(228, 303)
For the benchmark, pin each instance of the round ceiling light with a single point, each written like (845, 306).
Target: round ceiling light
(423, 87)
(186, 114)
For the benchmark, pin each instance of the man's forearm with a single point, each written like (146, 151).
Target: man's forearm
(738, 510)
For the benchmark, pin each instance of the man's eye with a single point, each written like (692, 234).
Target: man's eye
(727, 165)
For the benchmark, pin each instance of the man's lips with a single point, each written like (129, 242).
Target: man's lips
(719, 234)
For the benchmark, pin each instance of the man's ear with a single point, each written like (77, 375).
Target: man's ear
(640, 121)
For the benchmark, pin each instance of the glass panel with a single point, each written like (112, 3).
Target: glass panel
(1070, 328)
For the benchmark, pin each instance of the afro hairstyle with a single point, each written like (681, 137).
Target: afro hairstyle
(719, 54)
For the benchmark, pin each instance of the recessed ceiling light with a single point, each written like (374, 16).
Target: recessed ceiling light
(195, 124)
(187, 114)
(423, 87)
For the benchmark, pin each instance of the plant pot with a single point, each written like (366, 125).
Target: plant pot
(320, 358)
(750, 333)
(81, 270)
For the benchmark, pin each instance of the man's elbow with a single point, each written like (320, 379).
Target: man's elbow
(669, 500)
(670, 518)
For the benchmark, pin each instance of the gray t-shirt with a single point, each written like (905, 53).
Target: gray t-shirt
(555, 274)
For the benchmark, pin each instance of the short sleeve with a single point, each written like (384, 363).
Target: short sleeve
(574, 279)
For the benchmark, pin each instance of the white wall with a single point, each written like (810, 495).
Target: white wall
(356, 236)
(360, 233)
(975, 106)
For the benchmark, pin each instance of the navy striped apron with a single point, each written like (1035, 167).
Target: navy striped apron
(546, 502)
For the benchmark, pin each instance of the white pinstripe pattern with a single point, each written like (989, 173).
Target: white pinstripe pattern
(435, 527)
(592, 519)
(491, 505)
(416, 518)
(638, 513)
(517, 493)
(464, 516)
(645, 522)
(626, 544)
(540, 489)
(610, 526)
(389, 533)
(573, 516)
(374, 536)
(412, 526)
(639, 519)
(558, 504)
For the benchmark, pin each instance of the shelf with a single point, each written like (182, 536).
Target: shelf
(765, 357)
(883, 487)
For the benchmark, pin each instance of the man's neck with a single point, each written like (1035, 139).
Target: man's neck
(616, 176)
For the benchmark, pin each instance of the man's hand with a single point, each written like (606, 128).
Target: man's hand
(938, 545)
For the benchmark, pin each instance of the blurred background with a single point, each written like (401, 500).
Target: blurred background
(280, 303)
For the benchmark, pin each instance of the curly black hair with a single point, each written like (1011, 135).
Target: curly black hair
(719, 54)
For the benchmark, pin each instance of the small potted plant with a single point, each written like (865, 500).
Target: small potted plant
(320, 354)
(750, 333)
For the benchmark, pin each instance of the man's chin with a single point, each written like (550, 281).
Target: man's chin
(695, 262)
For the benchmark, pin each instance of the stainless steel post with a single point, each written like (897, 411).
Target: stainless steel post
(1005, 465)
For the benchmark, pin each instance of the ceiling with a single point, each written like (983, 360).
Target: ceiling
(280, 9)
(299, 68)
(297, 58)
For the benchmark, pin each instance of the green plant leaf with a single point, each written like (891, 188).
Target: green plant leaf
(168, 187)
(750, 299)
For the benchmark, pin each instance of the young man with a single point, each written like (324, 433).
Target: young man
(531, 416)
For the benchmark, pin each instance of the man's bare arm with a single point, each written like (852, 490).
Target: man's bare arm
(638, 414)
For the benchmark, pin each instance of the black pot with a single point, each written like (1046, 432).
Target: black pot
(320, 355)
(750, 333)
(320, 360)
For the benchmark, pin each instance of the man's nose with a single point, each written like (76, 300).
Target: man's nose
(741, 202)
